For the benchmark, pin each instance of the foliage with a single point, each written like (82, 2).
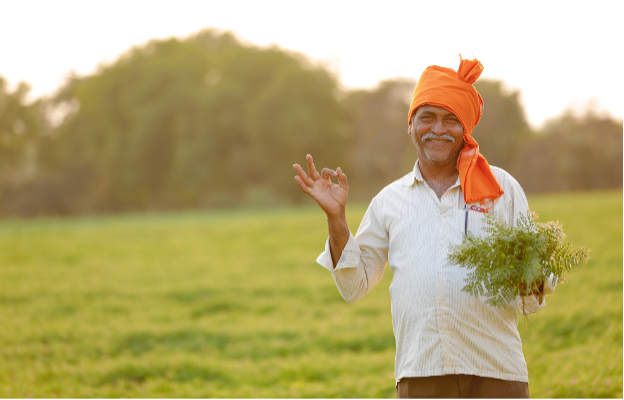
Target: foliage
(503, 127)
(209, 121)
(21, 127)
(199, 122)
(380, 149)
(572, 152)
(231, 304)
(515, 257)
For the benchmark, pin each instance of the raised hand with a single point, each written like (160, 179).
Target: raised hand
(331, 197)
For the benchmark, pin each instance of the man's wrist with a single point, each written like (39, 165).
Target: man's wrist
(337, 217)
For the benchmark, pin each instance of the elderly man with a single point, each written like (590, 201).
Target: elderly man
(449, 344)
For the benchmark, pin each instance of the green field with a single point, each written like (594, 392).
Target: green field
(232, 304)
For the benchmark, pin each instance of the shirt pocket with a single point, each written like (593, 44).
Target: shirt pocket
(476, 223)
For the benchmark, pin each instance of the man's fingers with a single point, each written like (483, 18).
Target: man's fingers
(303, 176)
(327, 173)
(305, 188)
(342, 179)
(311, 168)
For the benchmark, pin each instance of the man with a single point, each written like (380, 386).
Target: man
(449, 343)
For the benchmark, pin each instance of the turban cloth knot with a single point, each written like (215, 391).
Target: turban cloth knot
(452, 90)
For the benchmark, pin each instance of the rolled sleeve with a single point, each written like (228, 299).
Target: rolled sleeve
(349, 259)
(363, 260)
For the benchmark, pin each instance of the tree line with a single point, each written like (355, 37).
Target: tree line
(209, 121)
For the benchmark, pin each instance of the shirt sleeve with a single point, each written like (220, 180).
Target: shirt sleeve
(363, 260)
(520, 206)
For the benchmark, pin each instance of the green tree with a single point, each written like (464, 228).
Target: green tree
(503, 128)
(201, 121)
(381, 149)
(22, 126)
(209, 121)
(573, 153)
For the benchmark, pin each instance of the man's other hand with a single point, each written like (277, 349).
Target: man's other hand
(537, 289)
(331, 197)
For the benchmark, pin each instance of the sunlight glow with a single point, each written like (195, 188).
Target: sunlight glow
(558, 54)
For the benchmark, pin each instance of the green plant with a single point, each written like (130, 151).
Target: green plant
(512, 260)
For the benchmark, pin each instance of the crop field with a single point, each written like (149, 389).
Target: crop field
(232, 304)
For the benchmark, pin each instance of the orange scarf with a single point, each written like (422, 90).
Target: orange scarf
(452, 90)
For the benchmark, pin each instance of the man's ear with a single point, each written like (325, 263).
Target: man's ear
(411, 124)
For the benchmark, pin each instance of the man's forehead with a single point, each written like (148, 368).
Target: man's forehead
(428, 108)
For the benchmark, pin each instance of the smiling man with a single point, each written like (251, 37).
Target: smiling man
(449, 344)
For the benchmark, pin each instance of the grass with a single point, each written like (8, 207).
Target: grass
(232, 304)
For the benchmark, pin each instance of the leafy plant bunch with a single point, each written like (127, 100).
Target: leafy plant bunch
(511, 260)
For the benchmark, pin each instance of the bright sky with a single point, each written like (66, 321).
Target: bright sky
(558, 54)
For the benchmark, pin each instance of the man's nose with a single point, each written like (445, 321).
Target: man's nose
(438, 128)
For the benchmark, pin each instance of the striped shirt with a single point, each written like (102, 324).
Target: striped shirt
(438, 329)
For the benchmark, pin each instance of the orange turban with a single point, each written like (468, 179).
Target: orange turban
(452, 90)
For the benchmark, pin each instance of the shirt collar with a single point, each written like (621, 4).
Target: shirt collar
(416, 176)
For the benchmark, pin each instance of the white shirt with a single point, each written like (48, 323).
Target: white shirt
(438, 328)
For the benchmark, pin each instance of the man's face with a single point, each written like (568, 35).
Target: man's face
(437, 134)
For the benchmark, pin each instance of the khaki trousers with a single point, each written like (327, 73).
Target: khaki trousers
(460, 386)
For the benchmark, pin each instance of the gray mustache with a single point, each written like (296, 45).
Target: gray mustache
(438, 137)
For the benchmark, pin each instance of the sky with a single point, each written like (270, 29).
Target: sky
(559, 54)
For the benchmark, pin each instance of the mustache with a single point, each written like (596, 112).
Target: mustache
(438, 137)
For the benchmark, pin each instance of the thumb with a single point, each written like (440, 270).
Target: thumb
(342, 179)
